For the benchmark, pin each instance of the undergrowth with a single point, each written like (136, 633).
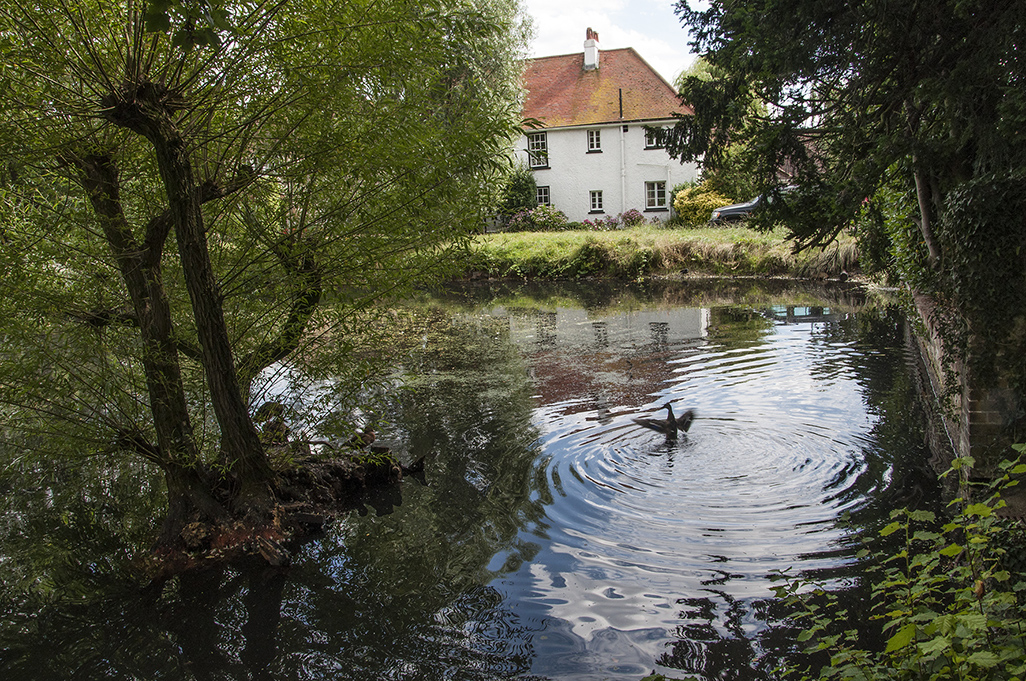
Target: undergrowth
(948, 600)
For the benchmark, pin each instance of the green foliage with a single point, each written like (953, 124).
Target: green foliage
(327, 170)
(519, 193)
(982, 275)
(736, 173)
(915, 109)
(852, 91)
(945, 599)
(190, 23)
(983, 238)
(694, 205)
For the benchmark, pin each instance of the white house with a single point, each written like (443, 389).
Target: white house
(592, 155)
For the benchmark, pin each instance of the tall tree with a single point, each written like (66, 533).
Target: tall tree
(296, 151)
(916, 108)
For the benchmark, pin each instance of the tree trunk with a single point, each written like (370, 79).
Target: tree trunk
(189, 489)
(924, 196)
(189, 498)
(144, 110)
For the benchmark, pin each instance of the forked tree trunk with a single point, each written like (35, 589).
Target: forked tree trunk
(144, 110)
(189, 489)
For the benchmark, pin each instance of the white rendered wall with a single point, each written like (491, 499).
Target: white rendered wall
(573, 173)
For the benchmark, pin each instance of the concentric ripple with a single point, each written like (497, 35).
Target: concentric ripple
(777, 454)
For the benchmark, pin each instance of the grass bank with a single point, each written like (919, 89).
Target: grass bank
(650, 250)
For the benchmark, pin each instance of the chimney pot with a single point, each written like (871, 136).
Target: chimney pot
(591, 50)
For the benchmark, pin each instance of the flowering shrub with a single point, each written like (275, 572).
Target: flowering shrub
(549, 219)
(539, 219)
(606, 223)
(520, 222)
(632, 218)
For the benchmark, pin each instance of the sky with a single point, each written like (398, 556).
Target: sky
(649, 26)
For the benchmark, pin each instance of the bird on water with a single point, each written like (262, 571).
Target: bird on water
(672, 425)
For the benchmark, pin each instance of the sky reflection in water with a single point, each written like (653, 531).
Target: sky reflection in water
(637, 521)
(554, 538)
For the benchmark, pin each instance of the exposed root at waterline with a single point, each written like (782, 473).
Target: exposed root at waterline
(310, 492)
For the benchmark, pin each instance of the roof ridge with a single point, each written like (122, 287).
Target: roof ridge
(581, 54)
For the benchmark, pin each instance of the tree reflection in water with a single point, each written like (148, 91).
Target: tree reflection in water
(413, 588)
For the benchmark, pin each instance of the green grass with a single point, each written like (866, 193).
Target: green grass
(651, 250)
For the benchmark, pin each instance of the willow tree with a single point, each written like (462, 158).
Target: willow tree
(182, 199)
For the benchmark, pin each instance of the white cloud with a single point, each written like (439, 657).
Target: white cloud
(649, 26)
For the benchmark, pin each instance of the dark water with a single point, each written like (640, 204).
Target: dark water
(551, 538)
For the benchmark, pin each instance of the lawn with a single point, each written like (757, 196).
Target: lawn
(653, 250)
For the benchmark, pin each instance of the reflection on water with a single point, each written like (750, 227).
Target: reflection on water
(553, 538)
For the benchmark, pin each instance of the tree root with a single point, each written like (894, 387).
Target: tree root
(310, 492)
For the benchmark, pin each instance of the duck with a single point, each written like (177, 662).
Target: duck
(672, 425)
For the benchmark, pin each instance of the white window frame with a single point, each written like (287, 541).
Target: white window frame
(594, 141)
(538, 149)
(596, 201)
(655, 195)
(542, 196)
(651, 141)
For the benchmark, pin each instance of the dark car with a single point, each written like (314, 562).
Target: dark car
(740, 211)
(736, 211)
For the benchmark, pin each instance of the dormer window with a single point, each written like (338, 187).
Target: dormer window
(594, 141)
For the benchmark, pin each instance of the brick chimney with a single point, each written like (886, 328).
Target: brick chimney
(591, 51)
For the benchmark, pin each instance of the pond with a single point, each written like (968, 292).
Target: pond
(550, 537)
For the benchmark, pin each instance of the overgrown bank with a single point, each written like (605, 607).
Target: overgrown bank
(651, 250)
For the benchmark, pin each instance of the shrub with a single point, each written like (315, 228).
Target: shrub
(519, 193)
(538, 219)
(948, 599)
(632, 218)
(549, 219)
(694, 205)
(606, 223)
(520, 221)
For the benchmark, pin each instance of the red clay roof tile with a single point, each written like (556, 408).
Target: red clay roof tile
(560, 93)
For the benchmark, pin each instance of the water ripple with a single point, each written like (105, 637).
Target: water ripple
(758, 484)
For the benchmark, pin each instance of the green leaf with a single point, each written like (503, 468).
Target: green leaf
(979, 511)
(156, 21)
(935, 645)
(983, 658)
(890, 529)
(951, 551)
(901, 638)
(923, 516)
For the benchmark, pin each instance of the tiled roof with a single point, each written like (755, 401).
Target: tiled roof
(561, 93)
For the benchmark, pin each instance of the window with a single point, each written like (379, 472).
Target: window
(596, 201)
(594, 141)
(542, 196)
(653, 138)
(538, 149)
(655, 195)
